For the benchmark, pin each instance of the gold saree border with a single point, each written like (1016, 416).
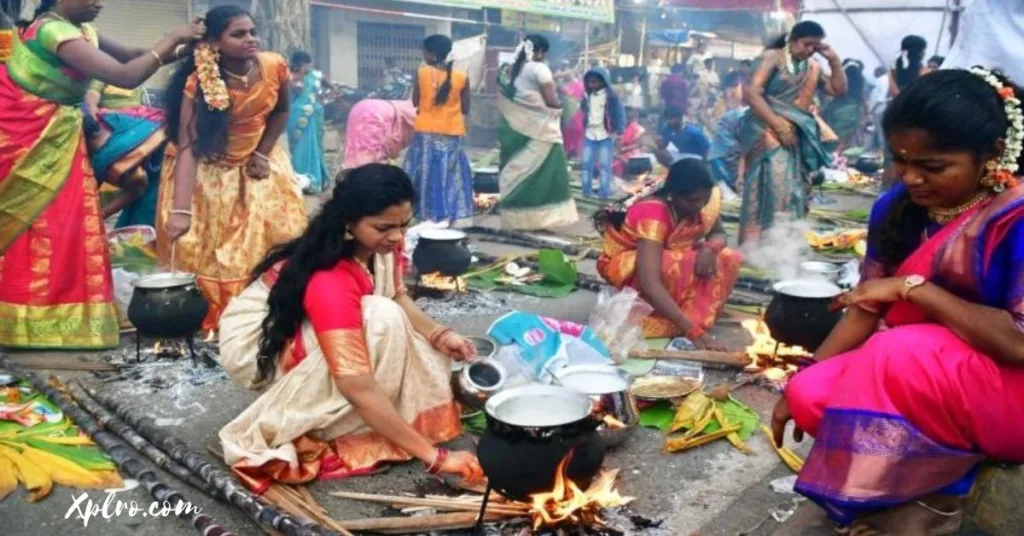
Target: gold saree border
(85, 326)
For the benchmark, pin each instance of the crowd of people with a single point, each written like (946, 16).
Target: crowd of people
(355, 376)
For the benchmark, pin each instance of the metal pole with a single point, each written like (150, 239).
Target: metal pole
(586, 45)
(942, 27)
(642, 61)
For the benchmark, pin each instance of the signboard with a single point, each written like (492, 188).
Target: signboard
(529, 21)
(592, 10)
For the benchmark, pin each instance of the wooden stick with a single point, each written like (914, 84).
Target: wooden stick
(413, 525)
(706, 357)
(452, 504)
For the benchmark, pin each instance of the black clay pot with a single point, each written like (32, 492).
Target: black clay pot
(520, 460)
(442, 251)
(167, 306)
(639, 165)
(799, 313)
(485, 181)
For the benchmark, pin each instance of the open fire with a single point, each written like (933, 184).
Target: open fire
(566, 505)
(774, 360)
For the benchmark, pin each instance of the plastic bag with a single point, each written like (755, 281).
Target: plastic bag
(618, 321)
(124, 286)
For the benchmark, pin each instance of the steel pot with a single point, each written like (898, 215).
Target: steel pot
(800, 312)
(530, 431)
(167, 306)
(608, 389)
(821, 270)
(443, 251)
(478, 381)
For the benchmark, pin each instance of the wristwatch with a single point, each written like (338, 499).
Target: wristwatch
(910, 283)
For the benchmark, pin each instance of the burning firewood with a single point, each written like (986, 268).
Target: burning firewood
(567, 504)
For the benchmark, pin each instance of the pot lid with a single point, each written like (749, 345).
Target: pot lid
(442, 234)
(593, 379)
(490, 170)
(167, 280)
(537, 406)
(808, 288)
(821, 267)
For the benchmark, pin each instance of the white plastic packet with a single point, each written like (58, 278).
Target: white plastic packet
(617, 319)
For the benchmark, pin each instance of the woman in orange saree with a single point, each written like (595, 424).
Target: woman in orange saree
(353, 375)
(56, 288)
(671, 246)
(227, 193)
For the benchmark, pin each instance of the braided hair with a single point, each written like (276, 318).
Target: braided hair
(441, 46)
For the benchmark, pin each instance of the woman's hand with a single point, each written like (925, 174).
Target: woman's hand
(707, 342)
(177, 226)
(888, 290)
(707, 263)
(187, 33)
(258, 167)
(465, 465)
(780, 418)
(457, 347)
(785, 131)
(828, 52)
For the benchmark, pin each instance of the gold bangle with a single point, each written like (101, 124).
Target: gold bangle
(182, 212)
(261, 155)
(159, 62)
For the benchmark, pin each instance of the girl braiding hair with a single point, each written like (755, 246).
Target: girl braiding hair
(685, 177)
(441, 47)
(365, 191)
(531, 45)
(211, 117)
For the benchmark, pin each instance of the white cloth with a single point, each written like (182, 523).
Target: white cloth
(991, 35)
(880, 90)
(534, 75)
(596, 129)
(635, 96)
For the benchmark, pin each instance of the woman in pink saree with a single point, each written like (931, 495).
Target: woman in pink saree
(377, 131)
(631, 144)
(572, 118)
(923, 378)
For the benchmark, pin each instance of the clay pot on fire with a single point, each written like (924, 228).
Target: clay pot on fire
(442, 251)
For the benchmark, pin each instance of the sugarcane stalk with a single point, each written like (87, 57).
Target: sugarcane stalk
(516, 238)
(125, 432)
(123, 456)
(226, 485)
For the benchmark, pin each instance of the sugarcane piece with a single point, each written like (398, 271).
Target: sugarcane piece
(734, 438)
(226, 485)
(123, 456)
(110, 422)
(787, 456)
(418, 524)
(679, 444)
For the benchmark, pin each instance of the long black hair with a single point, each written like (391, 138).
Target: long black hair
(807, 28)
(854, 70)
(440, 46)
(914, 46)
(540, 44)
(211, 125)
(684, 177)
(960, 112)
(365, 191)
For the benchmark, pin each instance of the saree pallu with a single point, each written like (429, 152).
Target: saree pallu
(306, 134)
(132, 152)
(926, 407)
(377, 131)
(534, 176)
(776, 177)
(301, 428)
(56, 288)
(236, 220)
(699, 299)
(442, 175)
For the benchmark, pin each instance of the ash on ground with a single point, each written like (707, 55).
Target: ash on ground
(470, 303)
(167, 366)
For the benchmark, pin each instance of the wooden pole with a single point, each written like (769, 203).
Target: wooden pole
(416, 524)
(705, 357)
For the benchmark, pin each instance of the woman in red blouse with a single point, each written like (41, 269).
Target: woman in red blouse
(357, 376)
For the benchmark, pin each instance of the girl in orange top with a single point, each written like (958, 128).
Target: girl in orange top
(436, 160)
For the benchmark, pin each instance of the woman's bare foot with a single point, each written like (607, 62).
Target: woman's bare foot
(932, 516)
(809, 520)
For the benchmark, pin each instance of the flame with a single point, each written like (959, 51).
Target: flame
(567, 504)
(441, 282)
(485, 201)
(767, 355)
(157, 346)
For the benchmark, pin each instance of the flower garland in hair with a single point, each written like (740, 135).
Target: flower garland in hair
(525, 47)
(1005, 173)
(215, 90)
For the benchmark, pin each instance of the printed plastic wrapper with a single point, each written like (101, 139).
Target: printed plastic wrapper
(542, 346)
(617, 319)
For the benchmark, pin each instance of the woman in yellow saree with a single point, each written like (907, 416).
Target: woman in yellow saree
(227, 193)
(671, 246)
(56, 288)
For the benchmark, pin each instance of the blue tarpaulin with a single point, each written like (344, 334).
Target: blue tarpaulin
(669, 37)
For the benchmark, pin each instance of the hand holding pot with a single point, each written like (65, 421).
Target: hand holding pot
(178, 224)
(465, 465)
(888, 290)
(457, 347)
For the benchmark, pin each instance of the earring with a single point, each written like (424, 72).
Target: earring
(988, 180)
(349, 236)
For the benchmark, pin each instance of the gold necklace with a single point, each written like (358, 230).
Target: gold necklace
(945, 215)
(244, 79)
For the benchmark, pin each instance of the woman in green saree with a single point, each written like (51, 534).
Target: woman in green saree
(534, 177)
(781, 137)
(846, 114)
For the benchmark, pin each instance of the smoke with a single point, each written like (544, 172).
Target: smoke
(782, 248)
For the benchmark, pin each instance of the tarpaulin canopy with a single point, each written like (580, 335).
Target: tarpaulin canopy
(731, 5)
(871, 30)
(593, 10)
(668, 37)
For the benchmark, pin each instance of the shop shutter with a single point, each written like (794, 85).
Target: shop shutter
(141, 23)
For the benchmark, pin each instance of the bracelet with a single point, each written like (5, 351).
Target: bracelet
(159, 61)
(439, 460)
(182, 212)
(261, 155)
(438, 335)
